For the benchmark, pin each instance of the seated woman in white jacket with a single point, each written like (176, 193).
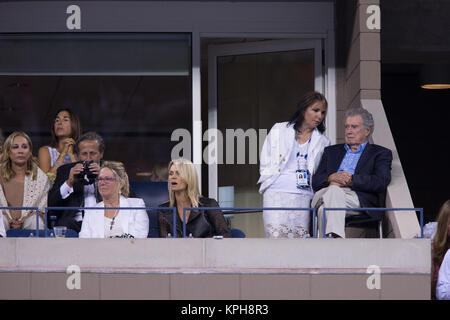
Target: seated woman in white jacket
(290, 155)
(113, 186)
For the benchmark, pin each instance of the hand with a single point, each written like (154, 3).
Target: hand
(341, 179)
(75, 170)
(69, 143)
(15, 224)
(94, 168)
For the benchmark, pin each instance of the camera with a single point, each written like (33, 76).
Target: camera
(86, 172)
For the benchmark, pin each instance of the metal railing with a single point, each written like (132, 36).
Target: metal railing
(228, 210)
(372, 209)
(252, 209)
(25, 208)
(173, 209)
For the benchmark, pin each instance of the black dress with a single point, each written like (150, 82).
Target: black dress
(201, 223)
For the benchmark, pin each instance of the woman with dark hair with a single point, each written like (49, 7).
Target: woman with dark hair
(440, 244)
(22, 183)
(290, 155)
(65, 132)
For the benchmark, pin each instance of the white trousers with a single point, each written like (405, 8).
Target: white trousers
(286, 223)
(334, 197)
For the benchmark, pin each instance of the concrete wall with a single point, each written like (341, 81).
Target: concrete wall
(358, 54)
(359, 84)
(214, 269)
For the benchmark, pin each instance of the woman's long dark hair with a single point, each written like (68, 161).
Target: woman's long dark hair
(307, 100)
(74, 124)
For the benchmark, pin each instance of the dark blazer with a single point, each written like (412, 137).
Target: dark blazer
(76, 199)
(372, 174)
(201, 223)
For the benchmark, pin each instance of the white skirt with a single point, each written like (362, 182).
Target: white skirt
(286, 223)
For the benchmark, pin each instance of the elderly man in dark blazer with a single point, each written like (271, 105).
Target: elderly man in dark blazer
(350, 175)
(72, 190)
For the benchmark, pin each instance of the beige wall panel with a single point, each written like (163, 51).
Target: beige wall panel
(370, 75)
(277, 287)
(371, 94)
(352, 86)
(339, 286)
(52, 285)
(404, 286)
(356, 102)
(135, 286)
(15, 285)
(366, 47)
(204, 286)
(8, 253)
(340, 124)
(133, 253)
(340, 89)
(353, 57)
(370, 46)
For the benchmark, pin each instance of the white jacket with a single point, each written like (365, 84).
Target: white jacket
(443, 283)
(277, 149)
(134, 222)
(2, 229)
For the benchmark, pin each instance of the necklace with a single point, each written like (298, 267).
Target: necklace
(113, 219)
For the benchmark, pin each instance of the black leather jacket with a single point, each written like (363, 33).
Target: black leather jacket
(201, 223)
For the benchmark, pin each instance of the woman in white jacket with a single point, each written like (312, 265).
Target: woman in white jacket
(113, 186)
(290, 155)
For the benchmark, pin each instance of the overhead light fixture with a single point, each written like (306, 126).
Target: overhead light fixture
(435, 76)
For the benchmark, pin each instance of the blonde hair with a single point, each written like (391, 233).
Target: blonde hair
(189, 175)
(118, 169)
(441, 238)
(6, 171)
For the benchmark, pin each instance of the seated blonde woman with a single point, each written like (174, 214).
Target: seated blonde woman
(184, 193)
(22, 183)
(113, 186)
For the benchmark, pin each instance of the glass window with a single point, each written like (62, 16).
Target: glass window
(134, 90)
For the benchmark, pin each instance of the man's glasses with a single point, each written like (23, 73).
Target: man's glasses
(106, 179)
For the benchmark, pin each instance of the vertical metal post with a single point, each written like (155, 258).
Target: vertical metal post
(174, 211)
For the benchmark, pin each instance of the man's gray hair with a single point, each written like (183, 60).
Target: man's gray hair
(365, 115)
(91, 136)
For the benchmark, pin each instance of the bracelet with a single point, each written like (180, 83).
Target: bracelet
(51, 176)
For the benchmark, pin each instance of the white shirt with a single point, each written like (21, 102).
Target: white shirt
(89, 197)
(443, 283)
(2, 228)
(116, 229)
(287, 180)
